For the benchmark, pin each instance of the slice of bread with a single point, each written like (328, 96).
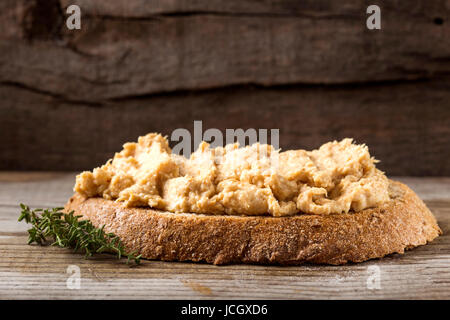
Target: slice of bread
(402, 223)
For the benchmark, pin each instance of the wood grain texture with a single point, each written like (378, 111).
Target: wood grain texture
(313, 8)
(70, 99)
(115, 55)
(405, 125)
(36, 272)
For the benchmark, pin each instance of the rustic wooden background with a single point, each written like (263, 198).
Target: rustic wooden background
(69, 99)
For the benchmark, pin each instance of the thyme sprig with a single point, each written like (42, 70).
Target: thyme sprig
(66, 230)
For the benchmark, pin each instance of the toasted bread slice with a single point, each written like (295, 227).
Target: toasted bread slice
(402, 223)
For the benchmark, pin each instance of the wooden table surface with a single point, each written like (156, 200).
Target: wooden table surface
(34, 272)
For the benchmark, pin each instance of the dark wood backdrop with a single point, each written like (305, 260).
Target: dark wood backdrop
(69, 99)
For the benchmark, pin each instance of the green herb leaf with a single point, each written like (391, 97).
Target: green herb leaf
(68, 231)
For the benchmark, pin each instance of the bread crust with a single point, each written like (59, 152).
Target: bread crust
(402, 223)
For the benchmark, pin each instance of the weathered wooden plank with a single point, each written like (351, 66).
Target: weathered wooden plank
(34, 189)
(325, 9)
(116, 58)
(406, 125)
(31, 272)
(116, 55)
(143, 9)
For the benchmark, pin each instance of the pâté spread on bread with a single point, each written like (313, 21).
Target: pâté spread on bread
(254, 180)
(252, 204)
